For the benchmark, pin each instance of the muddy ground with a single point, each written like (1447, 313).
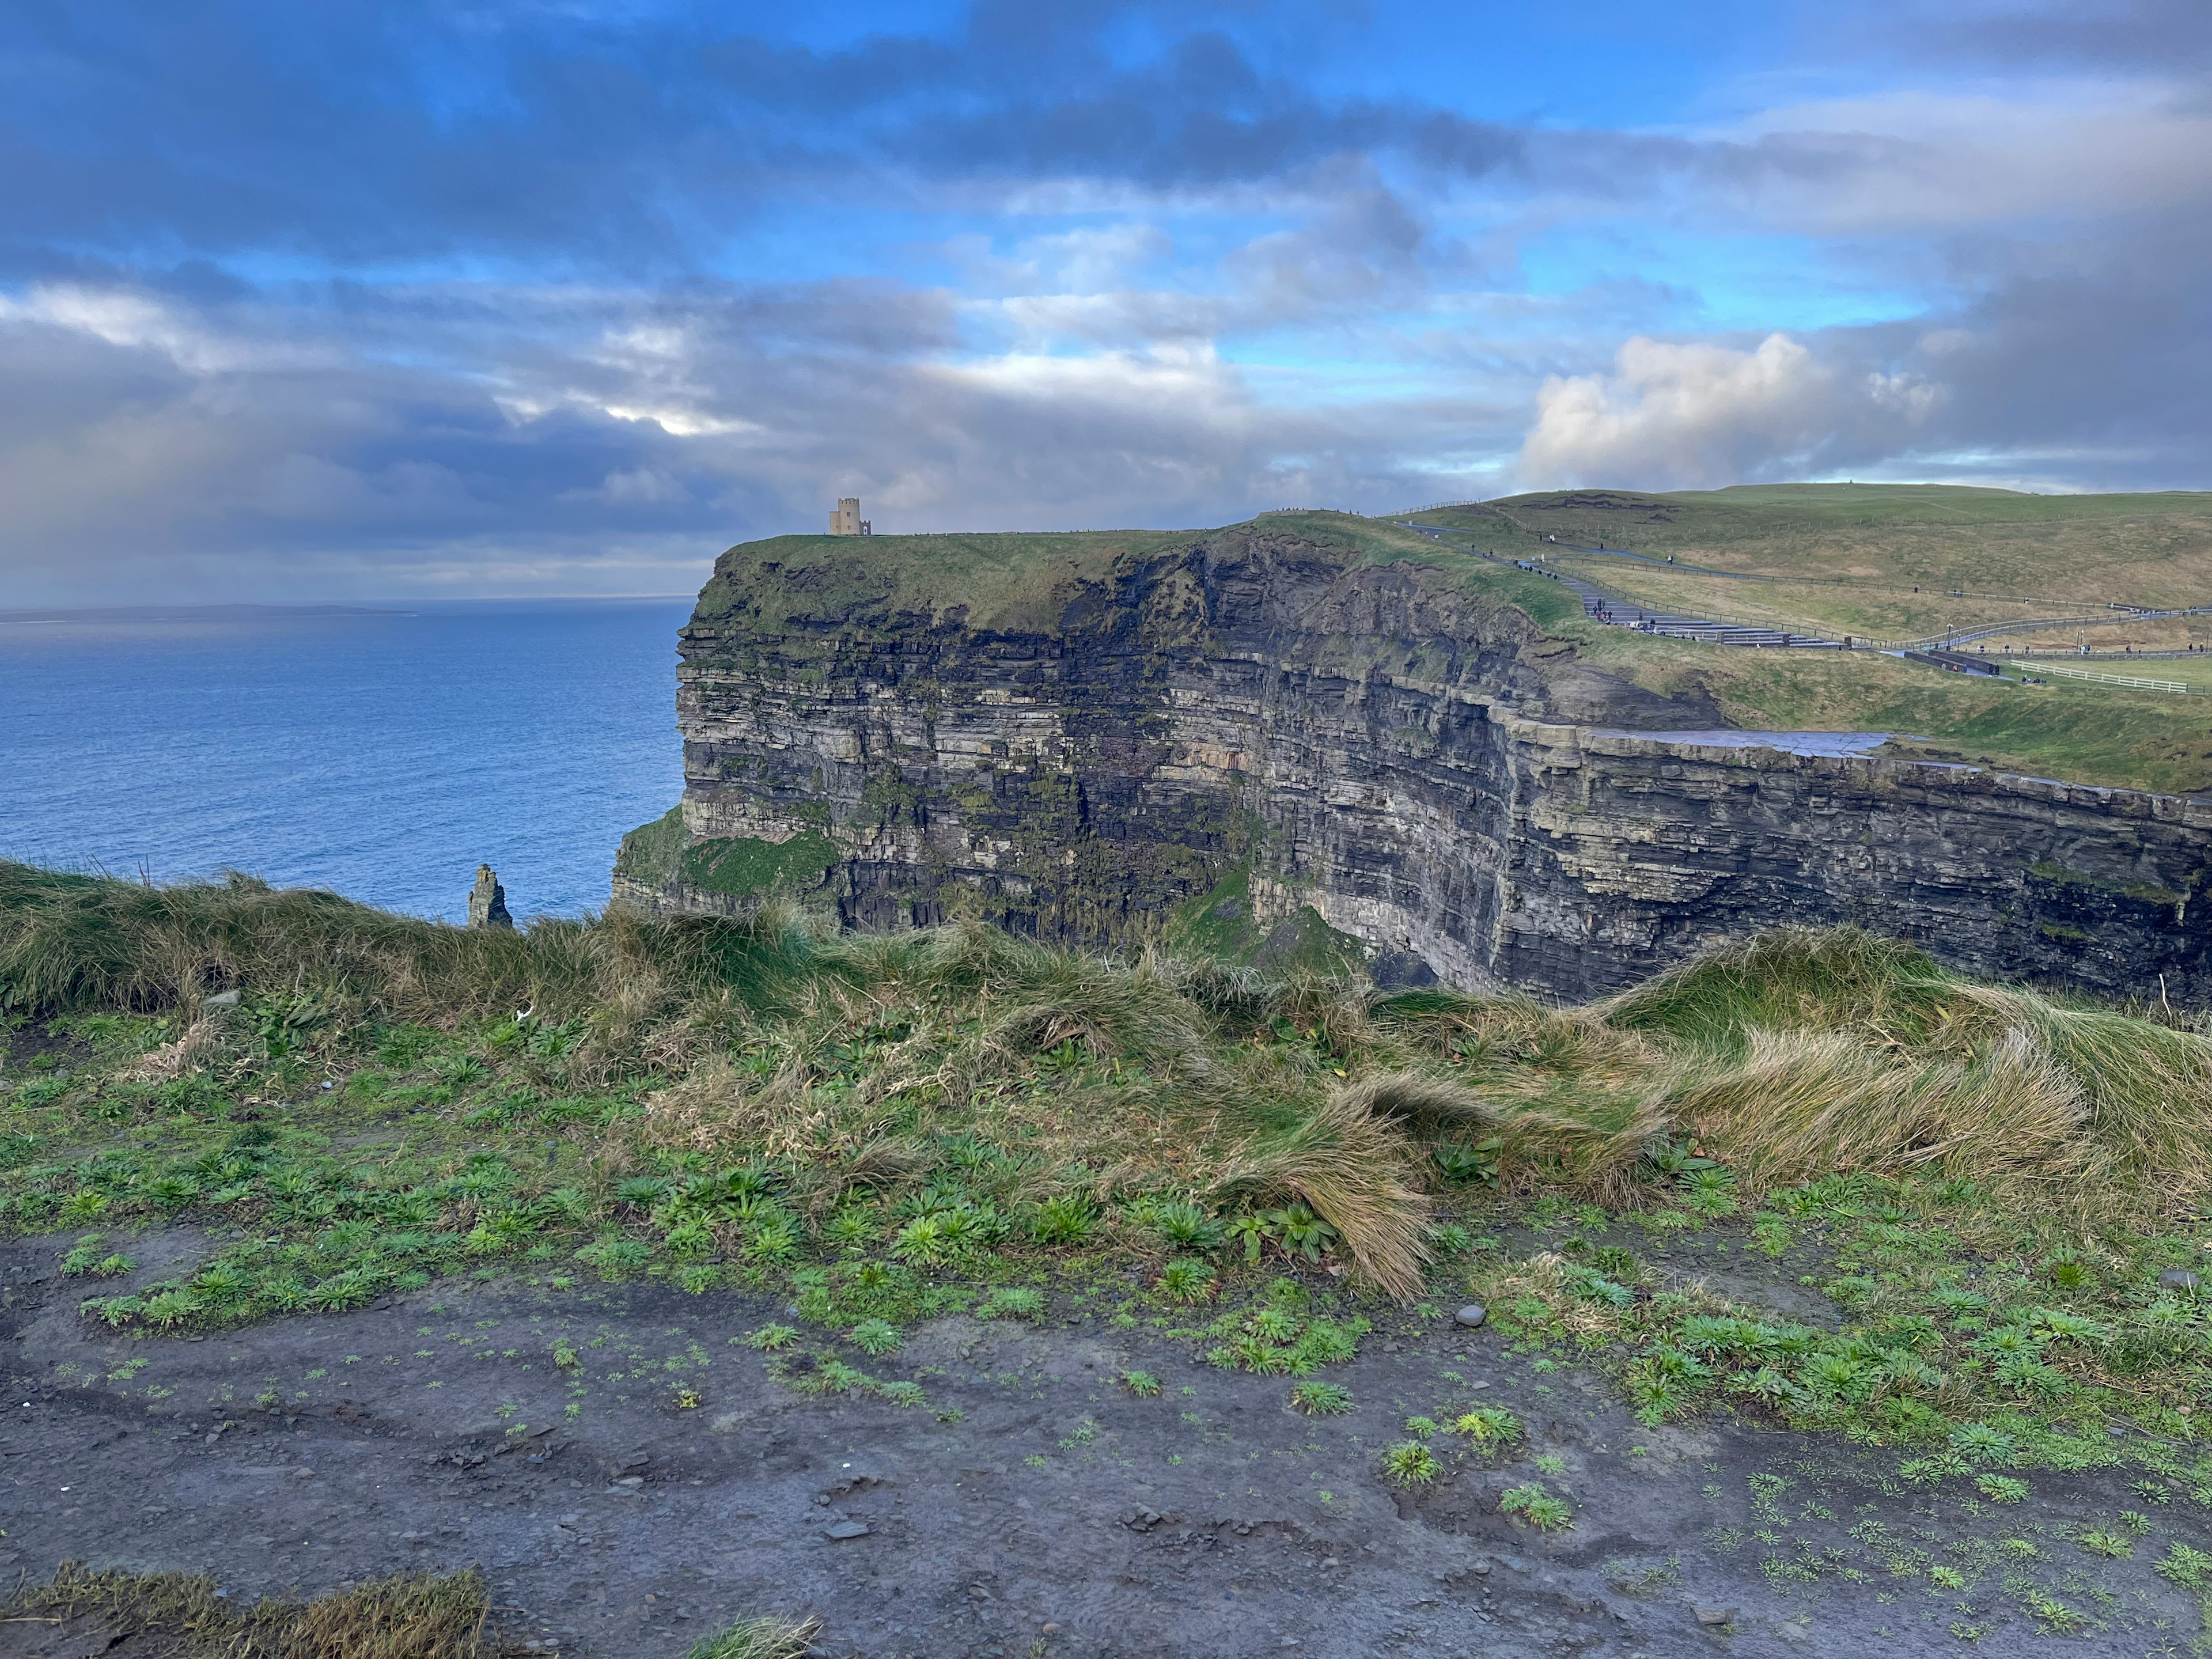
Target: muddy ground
(1031, 1506)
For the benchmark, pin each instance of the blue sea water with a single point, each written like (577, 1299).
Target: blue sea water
(381, 753)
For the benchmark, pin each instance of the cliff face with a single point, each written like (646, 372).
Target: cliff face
(1267, 742)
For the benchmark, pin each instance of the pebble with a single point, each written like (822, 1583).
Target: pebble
(1714, 1616)
(2179, 1278)
(844, 1529)
(1471, 1315)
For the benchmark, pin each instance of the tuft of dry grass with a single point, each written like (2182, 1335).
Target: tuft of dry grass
(1356, 1170)
(1802, 1104)
(180, 1616)
(192, 1049)
(766, 1637)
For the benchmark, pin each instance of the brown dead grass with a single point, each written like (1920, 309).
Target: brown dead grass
(180, 1616)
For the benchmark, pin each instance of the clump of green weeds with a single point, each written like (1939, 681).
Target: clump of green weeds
(1410, 1463)
(1533, 1502)
(1322, 1399)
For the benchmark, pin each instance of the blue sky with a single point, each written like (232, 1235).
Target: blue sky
(372, 300)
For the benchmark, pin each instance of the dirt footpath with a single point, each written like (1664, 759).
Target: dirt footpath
(630, 1479)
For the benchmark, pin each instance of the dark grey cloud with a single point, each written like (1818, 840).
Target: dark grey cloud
(2160, 37)
(408, 131)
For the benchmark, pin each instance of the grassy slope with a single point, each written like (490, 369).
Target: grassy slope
(1849, 556)
(2078, 733)
(885, 1129)
(1808, 607)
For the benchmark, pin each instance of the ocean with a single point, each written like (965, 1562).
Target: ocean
(382, 751)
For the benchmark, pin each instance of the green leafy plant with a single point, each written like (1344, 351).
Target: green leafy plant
(1063, 1220)
(1012, 1302)
(1464, 1163)
(1187, 1279)
(1537, 1506)
(1186, 1227)
(1410, 1463)
(1322, 1399)
(1143, 1384)
(1300, 1231)
(1488, 1426)
(876, 1336)
(2190, 1568)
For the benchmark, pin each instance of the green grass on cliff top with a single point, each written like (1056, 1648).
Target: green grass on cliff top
(1022, 579)
(1872, 545)
(2147, 549)
(2075, 731)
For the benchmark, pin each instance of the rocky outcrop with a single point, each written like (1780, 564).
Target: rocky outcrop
(1268, 742)
(487, 901)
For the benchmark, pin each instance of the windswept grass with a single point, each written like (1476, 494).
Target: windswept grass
(742, 1092)
(178, 1616)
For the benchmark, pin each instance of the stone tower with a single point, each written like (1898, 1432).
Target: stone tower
(846, 519)
(487, 901)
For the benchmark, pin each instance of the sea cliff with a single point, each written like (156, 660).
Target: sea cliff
(1287, 743)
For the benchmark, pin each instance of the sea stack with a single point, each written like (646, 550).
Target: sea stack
(487, 901)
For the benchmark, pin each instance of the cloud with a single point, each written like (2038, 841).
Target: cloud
(613, 440)
(1697, 416)
(384, 298)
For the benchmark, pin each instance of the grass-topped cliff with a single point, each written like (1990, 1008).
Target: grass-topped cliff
(1026, 581)
(1827, 558)
(1987, 1184)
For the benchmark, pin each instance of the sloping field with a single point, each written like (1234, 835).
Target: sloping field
(2074, 730)
(1881, 560)
(2152, 549)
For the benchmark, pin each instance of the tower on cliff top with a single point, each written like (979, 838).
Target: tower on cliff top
(846, 519)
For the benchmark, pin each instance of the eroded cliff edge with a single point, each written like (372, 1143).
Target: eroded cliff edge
(1292, 738)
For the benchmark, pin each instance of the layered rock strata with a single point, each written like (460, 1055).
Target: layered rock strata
(1264, 740)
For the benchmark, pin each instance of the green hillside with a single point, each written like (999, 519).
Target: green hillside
(1885, 559)
(1027, 579)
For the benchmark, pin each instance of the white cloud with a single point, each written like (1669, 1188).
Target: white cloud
(1700, 416)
